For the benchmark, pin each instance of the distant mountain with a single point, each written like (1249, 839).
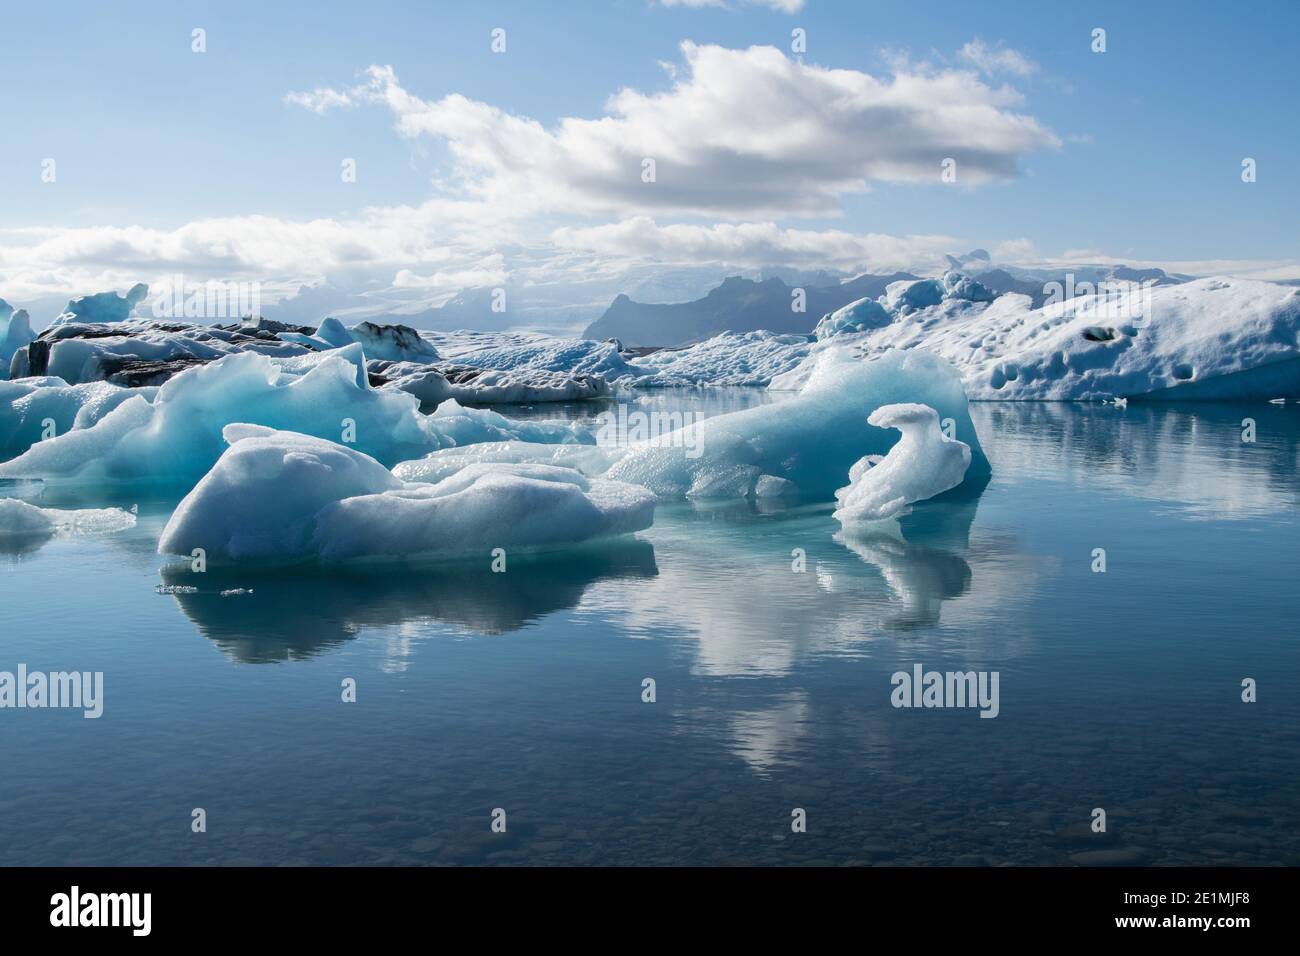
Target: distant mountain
(738, 305)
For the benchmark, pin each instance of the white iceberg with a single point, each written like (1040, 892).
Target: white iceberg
(1209, 339)
(731, 358)
(19, 519)
(810, 441)
(922, 464)
(103, 306)
(277, 496)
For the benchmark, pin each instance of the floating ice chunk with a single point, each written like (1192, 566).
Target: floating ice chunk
(280, 496)
(19, 519)
(171, 441)
(809, 440)
(922, 464)
(855, 317)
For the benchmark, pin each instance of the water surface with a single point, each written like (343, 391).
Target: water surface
(524, 690)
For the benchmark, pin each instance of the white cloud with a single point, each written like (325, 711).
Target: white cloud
(780, 6)
(758, 244)
(740, 134)
(999, 59)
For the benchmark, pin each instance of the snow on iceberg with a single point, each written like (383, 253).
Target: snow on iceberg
(531, 351)
(810, 440)
(587, 459)
(731, 358)
(171, 440)
(922, 464)
(855, 317)
(279, 496)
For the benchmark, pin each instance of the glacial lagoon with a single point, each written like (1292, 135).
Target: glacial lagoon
(770, 635)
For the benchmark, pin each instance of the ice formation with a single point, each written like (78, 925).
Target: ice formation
(103, 306)
(810, 440)
(470, 385)
(279, 496)
(30, 409)
(170, 440)
(15, 333)
(21, 519)
(744, 358)
(855, 317)
(587, 459)
(136, 351)
(1217, 339)
(922, 464)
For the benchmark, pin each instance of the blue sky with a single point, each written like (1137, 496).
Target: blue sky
(1138, 156)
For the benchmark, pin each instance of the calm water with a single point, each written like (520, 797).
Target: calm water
(523, 691)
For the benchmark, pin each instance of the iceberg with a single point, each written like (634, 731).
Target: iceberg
(277, 496)
(469, 385)
(732, 358)
(103, 306)
(31, 408)
(811, 440)
(1208, 339)
(136, 352)
(170, 440)
(19, 519)
(922, 464)
(15, 333)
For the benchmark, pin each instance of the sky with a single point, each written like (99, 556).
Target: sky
(525, 167)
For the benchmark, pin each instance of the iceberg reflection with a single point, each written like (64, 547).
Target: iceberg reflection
(297, 613)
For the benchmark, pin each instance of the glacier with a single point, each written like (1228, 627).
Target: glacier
(278, 496)
(922, 464)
